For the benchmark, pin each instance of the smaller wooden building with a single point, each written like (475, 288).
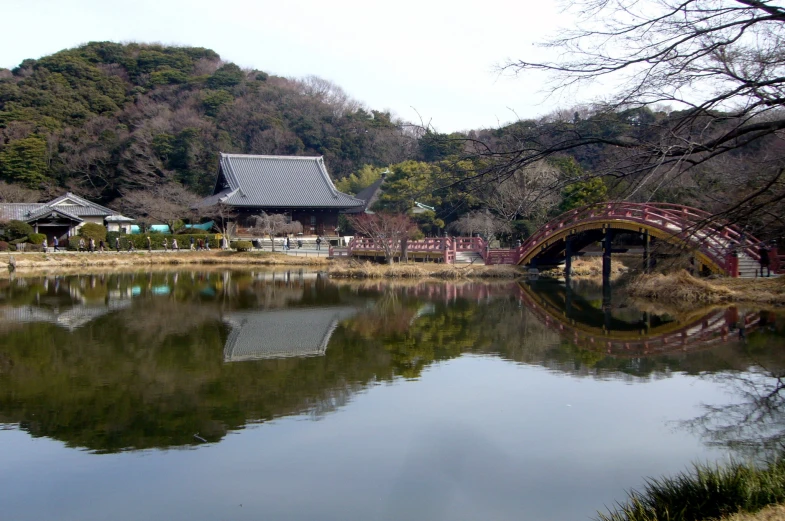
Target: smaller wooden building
(298, 187)
(62, 217)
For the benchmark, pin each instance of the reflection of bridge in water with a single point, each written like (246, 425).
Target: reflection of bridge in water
(589, 327)
(582, 322)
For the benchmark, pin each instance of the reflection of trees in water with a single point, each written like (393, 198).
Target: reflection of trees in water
(152, 375)
(754, 423)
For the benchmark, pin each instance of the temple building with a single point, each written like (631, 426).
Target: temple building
(298, 187)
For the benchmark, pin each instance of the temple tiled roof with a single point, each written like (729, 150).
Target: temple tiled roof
(257, 335)
(369, 195)
(279, 182)
(70, 205)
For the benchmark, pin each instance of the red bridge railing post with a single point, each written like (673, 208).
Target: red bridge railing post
(732, 264)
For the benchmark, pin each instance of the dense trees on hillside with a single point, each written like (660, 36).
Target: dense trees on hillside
(106, 118)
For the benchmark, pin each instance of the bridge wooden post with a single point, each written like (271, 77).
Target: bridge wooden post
(568, 258)
(646, 253)
(606, 255)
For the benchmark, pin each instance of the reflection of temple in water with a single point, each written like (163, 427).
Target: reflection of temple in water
(281, 333)
(70, 318)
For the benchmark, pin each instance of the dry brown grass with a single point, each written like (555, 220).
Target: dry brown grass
(683, 287)
(368, 270)
(61, 262)
(589, 268)
(771, 513)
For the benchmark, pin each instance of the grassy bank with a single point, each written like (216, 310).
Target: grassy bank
(368, 270)
(707, 492)
(38, 261)
(681, 287)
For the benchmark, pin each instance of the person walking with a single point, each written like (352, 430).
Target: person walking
(101, 245)
(765, 262)
(91, 244)
(81, 244)
(318, 242)
(131, 244)
(45, 244)
(175, 247)
(192, 244)
(56, 244)
(149, 245)
(288, 244)
(166, 244)
(117, 244)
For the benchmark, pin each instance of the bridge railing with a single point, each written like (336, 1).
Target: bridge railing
(448, 246)
(689, 225)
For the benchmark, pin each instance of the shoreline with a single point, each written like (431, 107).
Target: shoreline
(74, 262)
(34, 261)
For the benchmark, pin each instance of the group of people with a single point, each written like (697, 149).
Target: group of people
(287, 245)
(89, 245)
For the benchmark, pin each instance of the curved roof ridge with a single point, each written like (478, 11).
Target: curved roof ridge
(266, 156)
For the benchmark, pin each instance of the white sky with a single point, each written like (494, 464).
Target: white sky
(437, 57)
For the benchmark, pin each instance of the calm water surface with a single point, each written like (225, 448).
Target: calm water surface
(259, 395)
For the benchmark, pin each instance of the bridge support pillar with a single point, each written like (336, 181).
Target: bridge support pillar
(646, 253)
(568, 258)
(606, 276)
(606, 255)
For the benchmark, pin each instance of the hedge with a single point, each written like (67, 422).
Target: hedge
(94, 230)
(15, 229)
(157, 240)
(36, 238)
(242, 245)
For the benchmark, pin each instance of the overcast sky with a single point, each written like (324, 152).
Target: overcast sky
(432, 57)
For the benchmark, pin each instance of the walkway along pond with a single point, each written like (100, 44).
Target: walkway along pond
(402, 400)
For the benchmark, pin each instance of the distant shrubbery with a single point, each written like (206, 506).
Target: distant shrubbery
(92, 230)
(242, 245)
(36, 238)
(156, 239)
(16, 230)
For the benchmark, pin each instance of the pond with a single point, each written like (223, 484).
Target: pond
(237, 395)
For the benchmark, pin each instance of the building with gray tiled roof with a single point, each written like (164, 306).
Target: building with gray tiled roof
(299, 187)
(63, 216)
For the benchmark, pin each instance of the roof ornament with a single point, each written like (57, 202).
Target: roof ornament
(424, 206)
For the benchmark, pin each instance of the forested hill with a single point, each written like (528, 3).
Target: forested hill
(105, 118)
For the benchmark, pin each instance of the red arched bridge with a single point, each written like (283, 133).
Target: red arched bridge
(717, 247)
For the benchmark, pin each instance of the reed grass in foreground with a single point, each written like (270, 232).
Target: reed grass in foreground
(683, 287)
(707, 492)
(369, 270)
